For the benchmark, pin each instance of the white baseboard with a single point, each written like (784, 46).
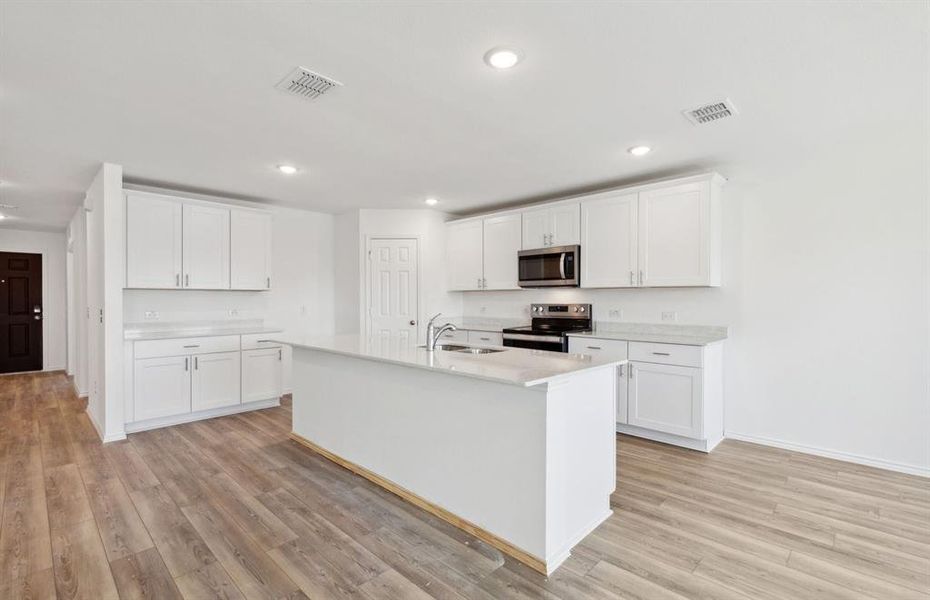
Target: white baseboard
(834, 454)
(198, 416)
(106, 439)
(668, 438)
(78, 392)
(560, 556)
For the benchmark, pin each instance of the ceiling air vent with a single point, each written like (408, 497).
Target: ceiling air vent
(306, 84)
(711, 112)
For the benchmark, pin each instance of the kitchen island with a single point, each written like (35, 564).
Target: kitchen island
(515, 446)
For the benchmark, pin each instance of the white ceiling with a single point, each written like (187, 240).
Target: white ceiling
(181, 93)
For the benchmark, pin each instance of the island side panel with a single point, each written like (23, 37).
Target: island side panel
(473, 447)
(582, 454)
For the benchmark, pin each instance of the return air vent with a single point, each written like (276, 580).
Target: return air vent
(711, 112)
(306, 84)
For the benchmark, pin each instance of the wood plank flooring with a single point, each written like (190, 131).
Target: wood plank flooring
(230, 508)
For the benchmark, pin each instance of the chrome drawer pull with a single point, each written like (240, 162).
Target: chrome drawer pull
(661, 353)
(594, 347)
(193, 346)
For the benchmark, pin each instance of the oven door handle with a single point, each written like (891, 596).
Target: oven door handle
(533, 338)
(562, 265)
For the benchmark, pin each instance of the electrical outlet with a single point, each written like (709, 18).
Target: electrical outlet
(234, 312)
(484, 309)
(669, 316)
(615, 313)
(151, 314)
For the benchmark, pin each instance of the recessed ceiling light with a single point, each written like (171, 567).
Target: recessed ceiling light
(503, 57)
(287, 169)
(431, 201)
(640, 150)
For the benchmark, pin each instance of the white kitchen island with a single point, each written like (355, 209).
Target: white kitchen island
(515, 447)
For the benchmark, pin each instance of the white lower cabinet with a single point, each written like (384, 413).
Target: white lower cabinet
(261, 374)
(215, 381)
(671, 393)
(175, 380)
(161, 387)
(485, 338)
(665, 398)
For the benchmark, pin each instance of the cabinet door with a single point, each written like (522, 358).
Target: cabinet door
(608, 241)
(674, 235)
(623, 394)
(249, 250)
(153, 242)
(261, 374)
(501, 244)
(215, 380)
(464, 255)
(665, 398)
(564, 223)
(161, 387)
(535, 228)
(206, 247)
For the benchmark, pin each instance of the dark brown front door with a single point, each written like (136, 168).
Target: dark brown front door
(20, 312)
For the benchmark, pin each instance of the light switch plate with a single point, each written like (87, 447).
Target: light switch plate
(669, 316)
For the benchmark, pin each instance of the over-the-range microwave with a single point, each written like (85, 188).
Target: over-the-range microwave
(557, 266)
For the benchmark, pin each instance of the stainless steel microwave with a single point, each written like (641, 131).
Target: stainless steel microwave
(557, 266)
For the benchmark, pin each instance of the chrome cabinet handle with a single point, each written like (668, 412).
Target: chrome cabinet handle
(177, 280)
(479, 283)
(279, 354)
(594, 347)
(485, 339)
(484, 283)
(263, 341)
(192, 346)
(185, 363)
(632, 278)
(661, 353)
(630, 371)
(196, 363)
(640, 277)
(621, 371)
(187, 280)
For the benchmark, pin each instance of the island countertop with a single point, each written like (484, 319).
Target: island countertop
(515, 366)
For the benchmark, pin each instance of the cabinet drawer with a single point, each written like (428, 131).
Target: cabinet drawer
(485, 338)
(666, 354)
(182, 346)
(256, 341)
(595, 347)
(459, 335)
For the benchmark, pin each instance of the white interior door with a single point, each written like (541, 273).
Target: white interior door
(501, 244)
(608, 241)
(392, 288)
(153, 242)
(206, 247)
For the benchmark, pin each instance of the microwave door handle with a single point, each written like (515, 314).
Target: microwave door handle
(562, 265)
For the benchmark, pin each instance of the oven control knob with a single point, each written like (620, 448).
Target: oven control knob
(582, 309)
(576, 309)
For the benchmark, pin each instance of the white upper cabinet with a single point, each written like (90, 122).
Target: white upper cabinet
(551, 226)
(501, 244)
(609, 241)
(564, 220)
(679, 239)
(153, 241)
(464, 255)
(206, 247)
(535, 228)
(250, 250)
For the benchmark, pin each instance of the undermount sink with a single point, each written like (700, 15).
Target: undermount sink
(479, 350)
(465, 349)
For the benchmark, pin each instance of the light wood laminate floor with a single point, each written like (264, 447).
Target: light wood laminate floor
(230, 508)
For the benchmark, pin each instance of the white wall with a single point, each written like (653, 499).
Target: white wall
(106, 270)
(826, 294)
(52, 246)
(77, 301)
(347, 273)
(430, 226)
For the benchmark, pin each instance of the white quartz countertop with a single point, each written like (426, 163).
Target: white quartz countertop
(167, 333)
(689, 335)
(515, 366)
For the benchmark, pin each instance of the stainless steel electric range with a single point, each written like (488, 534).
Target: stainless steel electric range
(550, 325)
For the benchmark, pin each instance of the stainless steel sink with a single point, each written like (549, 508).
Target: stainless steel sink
(450, 347)
(479, 350)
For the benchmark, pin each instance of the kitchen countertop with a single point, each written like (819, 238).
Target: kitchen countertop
(689, 335)
(166, 331)
(515, 366)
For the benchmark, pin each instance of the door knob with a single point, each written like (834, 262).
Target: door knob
(412, 322)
